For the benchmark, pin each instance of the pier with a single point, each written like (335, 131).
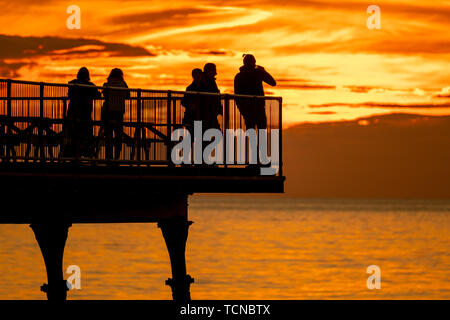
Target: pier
(50, 191)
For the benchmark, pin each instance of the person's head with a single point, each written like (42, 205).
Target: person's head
(249, 60)
(197, 74)
(115, 73)
(83, 74)
(210, 70)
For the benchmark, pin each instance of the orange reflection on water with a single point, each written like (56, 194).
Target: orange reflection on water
(240, 248)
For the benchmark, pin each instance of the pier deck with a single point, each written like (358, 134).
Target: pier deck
(42, 186)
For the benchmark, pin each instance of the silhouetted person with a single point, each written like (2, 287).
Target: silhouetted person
(113, 111)
(78, 128)
(249, 81)
(191, 102)
(210, 105)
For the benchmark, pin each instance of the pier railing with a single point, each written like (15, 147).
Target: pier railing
(34, 122)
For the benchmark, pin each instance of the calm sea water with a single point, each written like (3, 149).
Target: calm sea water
(254, 248)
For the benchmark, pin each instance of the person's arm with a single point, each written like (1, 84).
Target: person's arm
(216, 88)
(70, 107)
(104, 91)
(219, 104)
(266, 77)
(186, 97)
(70, 91)
(98, 95)
(127, 92)
(94, 92)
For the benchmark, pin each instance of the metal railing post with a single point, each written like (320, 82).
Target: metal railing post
(174, 113)
(280, 126)
(258, 142)
(64, 108)
(169, 128)
(64, 125)
(8, 114)
(41, 117)
(138, 126)
(8, 98)
(226, 124)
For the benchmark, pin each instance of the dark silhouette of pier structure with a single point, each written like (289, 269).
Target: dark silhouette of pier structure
(41, 187)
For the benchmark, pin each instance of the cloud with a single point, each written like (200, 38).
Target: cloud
(382, 105)
(406, 29)
(361, 89)
(18, 52)
(220, 18)
(322, 112)
(395, 155)
(403, 45)
(307, 87)
(145, 22)
(16, 47)
(435, 10)
(445, 93)
(209, 52)
(302, 84)
(10, 70)
(158, 17)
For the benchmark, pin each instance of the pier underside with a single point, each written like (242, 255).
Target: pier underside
(116, 194)
(57, 170)
(51, 213)
(52, 198)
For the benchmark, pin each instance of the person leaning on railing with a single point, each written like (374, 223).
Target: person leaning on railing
(112, 112)
(191, 101)
(210, 105)
(249, 81)
(78, 125)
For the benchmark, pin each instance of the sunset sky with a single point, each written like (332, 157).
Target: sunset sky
(366, 114)
(328, 64)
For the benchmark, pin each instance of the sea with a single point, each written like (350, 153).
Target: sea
(254, 247)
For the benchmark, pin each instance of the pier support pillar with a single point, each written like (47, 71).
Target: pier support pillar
(175, 233)
(51, 238)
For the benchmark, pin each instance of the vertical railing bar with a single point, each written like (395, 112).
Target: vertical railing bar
(138, 126)
(280, 127)
(169, 127)
(225, 126)
(41, 117)
(8, 98)
(63, 128)
(191, 129)
(156, 108)
(174, 119)
(8, 114)
(174, 112)
(257, 128)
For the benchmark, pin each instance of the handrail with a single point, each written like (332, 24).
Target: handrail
(34, 125)
(222, 95)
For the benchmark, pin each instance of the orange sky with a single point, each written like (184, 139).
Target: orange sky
(328, 64)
